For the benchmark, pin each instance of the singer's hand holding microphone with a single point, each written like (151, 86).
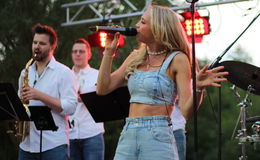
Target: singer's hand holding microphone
(112, 38)
(111, 44)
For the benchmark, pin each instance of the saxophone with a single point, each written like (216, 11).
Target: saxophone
(21, 128)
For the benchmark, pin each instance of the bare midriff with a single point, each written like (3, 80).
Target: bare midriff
(143, 110)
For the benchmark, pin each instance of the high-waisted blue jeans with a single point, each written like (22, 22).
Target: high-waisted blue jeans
(92, 148)
(180, 138)
(147, 138)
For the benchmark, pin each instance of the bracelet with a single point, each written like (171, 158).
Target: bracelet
(199, 90)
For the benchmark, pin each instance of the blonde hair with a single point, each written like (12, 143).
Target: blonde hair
(167, 31)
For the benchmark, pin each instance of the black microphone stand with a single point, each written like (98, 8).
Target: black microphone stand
(214, 64)
(192, 10)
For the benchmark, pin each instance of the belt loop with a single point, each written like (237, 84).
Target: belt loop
(127, 124)
(149, 123)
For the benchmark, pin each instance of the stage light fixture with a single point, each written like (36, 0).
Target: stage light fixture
(201, 25)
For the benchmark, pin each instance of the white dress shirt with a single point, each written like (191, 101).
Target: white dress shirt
(178, 120)
(57, 81)
(83, 125)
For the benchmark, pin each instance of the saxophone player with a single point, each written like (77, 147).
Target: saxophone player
(51, 84)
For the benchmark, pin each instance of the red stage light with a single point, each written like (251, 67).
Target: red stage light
(99, 40)
(201, 26)
(102, 38)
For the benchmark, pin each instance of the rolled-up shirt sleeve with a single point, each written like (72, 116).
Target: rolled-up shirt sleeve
(68, 93)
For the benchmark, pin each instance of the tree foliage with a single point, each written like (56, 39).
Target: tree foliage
(17, 18)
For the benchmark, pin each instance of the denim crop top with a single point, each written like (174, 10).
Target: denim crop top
(153, 87)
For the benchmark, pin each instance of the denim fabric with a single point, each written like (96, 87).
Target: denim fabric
(57, 153)
(87, 149)
(154, 86)
(180, 138)
(147, 138)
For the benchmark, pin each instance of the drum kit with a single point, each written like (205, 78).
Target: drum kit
(246, 77)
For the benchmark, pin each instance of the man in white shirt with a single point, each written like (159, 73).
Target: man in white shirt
(51, 84)
(86, 136)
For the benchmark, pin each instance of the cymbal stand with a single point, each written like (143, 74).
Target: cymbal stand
(242, 133)
(237, 95)
(255, 137)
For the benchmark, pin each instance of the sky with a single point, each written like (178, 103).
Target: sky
(228, 21)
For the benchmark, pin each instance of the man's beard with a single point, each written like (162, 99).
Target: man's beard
(41, 56)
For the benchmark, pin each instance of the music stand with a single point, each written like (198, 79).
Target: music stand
(113, 106)
(43, 120)
(11, 107)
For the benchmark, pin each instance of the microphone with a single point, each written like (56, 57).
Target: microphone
(127, 31)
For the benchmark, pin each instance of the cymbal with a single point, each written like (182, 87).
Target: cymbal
(253, 119)
(242, 75)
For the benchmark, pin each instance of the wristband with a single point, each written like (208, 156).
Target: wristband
(199, 90)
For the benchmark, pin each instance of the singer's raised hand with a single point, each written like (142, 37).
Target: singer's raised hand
(111, 43)
(211, 77)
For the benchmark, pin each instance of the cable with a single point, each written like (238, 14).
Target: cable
(160, 87)
(211, 105)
